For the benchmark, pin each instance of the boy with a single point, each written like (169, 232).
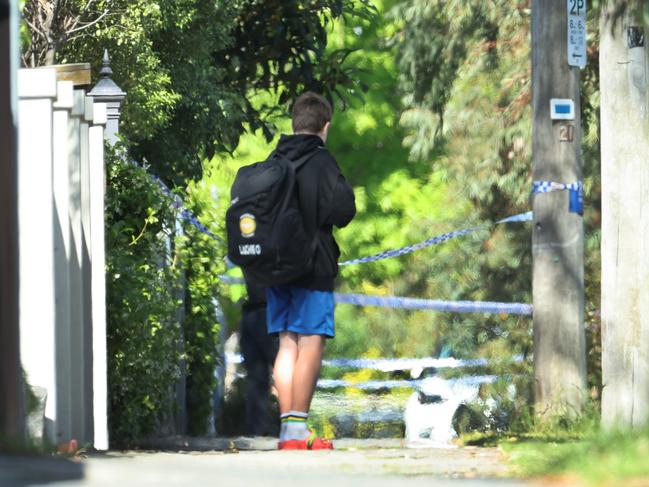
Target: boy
(302, 313)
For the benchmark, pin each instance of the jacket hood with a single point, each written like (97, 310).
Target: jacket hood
(295, 146)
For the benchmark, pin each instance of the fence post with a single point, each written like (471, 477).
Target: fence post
(85, 360)
(98, 277)
(62, 255)
(77, 304)
(107, 97)
(106, 91)
(37, 91)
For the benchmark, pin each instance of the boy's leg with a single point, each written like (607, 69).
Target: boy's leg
(310, 349)
(310, 318)
(295, 434)
(284, 369)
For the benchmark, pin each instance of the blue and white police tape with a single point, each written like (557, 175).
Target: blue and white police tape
(435, 305)
(575, 197)
(400, 384)
(391, 364)
(396, 364)
(192, 219)
(415, 365)
(387, 254)
(397, 302)
(185, 214)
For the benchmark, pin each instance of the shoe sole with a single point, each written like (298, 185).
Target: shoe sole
(292, 445)
(302, 445)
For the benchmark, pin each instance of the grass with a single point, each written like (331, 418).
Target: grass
(572, 450)
(597, 459)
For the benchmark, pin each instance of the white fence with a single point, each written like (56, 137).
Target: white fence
(61, 243)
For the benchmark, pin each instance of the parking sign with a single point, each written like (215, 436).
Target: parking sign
(577, 33)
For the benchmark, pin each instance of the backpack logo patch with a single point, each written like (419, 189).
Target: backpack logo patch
(247, 225)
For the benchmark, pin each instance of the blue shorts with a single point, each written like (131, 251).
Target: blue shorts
(300, 310)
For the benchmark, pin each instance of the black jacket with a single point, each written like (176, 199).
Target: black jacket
(326, 199)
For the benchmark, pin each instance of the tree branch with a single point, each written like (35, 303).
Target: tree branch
(88, 5)
(73, 22)
(33, 28)
(88, 24)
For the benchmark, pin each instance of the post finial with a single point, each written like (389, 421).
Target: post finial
(105, 71)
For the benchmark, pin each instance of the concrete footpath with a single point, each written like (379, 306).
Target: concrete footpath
(251, 463)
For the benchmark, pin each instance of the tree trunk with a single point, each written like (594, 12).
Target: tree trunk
(50, 56)
(625, 221)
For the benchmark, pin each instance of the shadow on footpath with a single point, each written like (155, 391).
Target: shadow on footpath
(17, 471)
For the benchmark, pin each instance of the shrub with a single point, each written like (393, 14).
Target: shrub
(142, 333)
(151, 275)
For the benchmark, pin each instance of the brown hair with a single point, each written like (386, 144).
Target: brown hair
(310, 113)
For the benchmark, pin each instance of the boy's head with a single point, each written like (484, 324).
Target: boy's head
(311, 114)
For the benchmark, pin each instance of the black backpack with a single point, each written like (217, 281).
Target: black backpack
(267, 235)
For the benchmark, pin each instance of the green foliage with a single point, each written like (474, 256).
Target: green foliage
(195, 86)
(162, 292)
(178, 106)
(590, 101)
(393, 196)
(435, 38)
(480, 87)
(399, 202)
(189, 68)
(143, 335)
(402, 202)
(202, 259)
(287, 52)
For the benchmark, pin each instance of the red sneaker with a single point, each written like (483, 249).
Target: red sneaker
(312, 442)
(292, 445)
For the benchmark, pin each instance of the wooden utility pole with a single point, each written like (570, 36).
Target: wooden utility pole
(625, 219)
(557, 237)
(11, 402)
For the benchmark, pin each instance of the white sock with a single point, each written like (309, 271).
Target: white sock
(296, 428)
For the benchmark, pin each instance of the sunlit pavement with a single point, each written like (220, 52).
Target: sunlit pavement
(354, 463)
